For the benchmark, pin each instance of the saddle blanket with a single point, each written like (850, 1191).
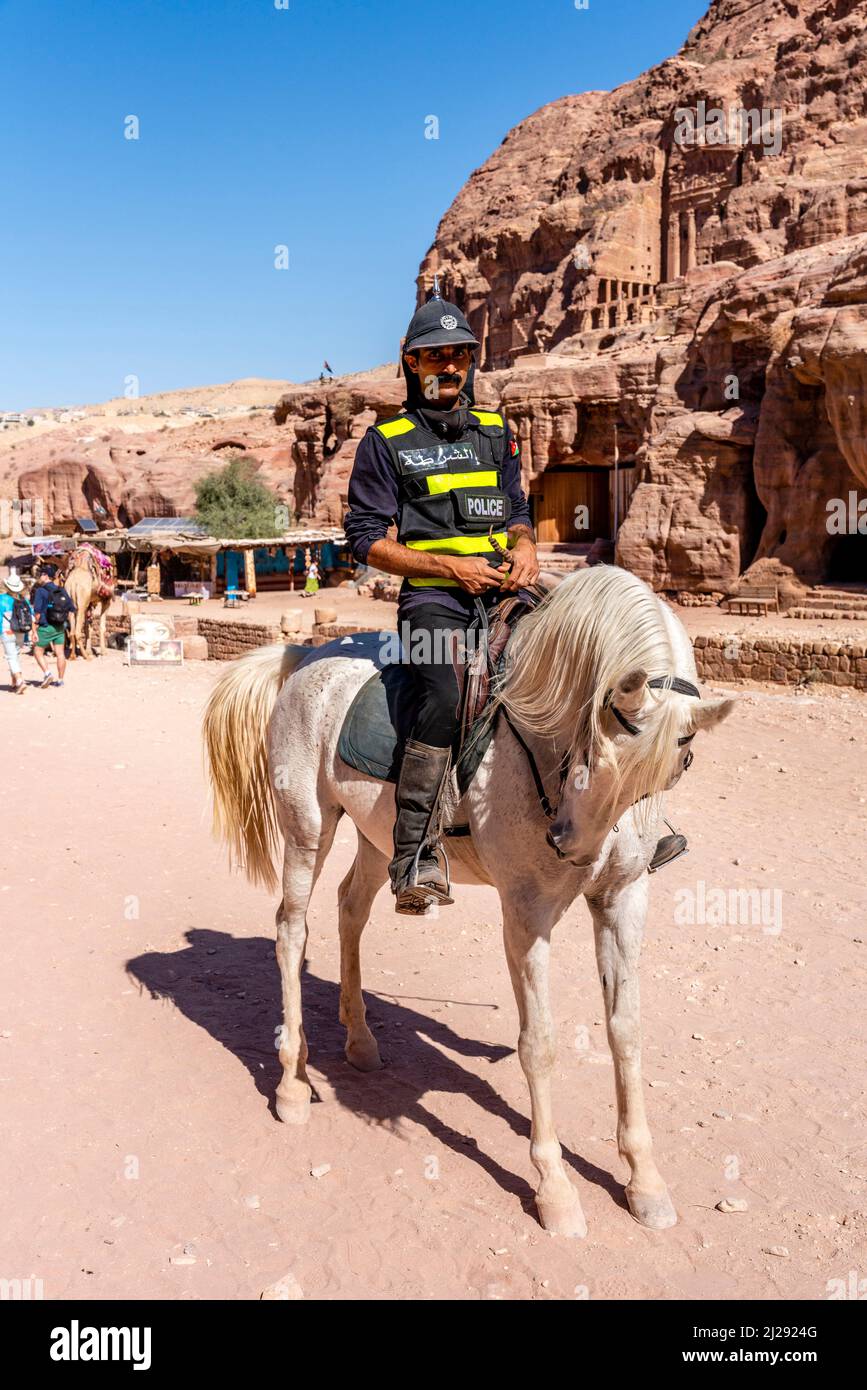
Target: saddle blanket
(379, 720)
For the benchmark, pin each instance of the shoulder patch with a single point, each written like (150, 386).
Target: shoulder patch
(392, 427)
(513, 447)
(488, 417)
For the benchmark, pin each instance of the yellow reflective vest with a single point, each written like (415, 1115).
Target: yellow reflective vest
(450, 492)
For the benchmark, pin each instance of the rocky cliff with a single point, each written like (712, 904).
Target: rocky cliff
(678, 267)
(673, 273)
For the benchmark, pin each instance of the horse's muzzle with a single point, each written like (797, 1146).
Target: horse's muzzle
(578, 863)
(549, 836)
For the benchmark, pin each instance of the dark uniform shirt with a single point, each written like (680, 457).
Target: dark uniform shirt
(373, 508)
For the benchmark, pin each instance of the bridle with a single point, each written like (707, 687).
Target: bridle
(675, 683)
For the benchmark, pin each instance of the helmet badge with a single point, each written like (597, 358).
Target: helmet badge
(449, 321)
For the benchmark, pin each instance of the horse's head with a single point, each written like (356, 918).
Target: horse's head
(640, 743)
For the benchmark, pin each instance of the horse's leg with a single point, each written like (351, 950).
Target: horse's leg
(528, 952)
(355, 896)
(619, 926)
(305, 853)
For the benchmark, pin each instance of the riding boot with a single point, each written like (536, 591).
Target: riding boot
(416, 877)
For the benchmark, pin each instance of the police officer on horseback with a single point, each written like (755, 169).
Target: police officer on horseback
(449, 475)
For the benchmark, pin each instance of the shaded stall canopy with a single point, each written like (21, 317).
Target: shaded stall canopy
(180, 544)
(183, 535)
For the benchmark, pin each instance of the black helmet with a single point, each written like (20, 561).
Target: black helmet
(438, 324)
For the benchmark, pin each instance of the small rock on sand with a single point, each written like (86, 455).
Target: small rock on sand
(730, 1204)
(283, 1290)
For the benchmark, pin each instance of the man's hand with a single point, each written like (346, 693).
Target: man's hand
(473, 573)
(525, 566)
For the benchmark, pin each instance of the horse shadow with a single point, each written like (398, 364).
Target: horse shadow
(230, 986)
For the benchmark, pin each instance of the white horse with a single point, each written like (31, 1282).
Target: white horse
(588, 688)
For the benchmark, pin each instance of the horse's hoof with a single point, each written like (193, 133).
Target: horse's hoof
(293, 1112)
(562, 1218)
(364, 1055)
(655, 1211)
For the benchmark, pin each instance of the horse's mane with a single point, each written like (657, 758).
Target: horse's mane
(592, 630)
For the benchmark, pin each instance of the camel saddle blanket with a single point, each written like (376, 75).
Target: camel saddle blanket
(100, 568)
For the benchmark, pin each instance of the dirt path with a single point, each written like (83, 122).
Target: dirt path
(140, 1001)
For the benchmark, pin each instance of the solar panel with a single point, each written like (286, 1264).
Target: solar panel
(151, 524)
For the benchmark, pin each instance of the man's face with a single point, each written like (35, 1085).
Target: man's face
(441, 372)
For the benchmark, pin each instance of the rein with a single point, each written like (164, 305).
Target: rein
(550, 811)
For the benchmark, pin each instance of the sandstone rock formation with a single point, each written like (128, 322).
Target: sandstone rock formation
(118, 465)
(683, 259)
(672, 274)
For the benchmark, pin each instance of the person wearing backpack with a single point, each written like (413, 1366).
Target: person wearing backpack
(12, 614)
(52, 609)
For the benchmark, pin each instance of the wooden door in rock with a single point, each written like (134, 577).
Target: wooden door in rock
(565, 490)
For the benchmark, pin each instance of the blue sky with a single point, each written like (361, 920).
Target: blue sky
(259, 126)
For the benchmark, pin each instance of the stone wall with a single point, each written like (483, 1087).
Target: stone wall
(227, 640)
(718, 657)
(327, 632)
(778, 659)
(184, 626)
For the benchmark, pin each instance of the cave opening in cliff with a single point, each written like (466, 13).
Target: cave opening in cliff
(755, 518)
(847, 560)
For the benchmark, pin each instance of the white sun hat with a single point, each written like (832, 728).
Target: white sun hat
(13, 582)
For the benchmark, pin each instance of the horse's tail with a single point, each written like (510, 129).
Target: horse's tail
(236, 743)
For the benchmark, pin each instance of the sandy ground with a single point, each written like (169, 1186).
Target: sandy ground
(140, 1000)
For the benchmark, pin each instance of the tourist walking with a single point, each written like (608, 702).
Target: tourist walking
(52, 609)
(312, 585)
(14, 609)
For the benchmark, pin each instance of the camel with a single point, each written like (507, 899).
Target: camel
(86, 587)
(600, 686)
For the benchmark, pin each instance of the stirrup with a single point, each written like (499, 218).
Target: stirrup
(669, 848)
(414, 898)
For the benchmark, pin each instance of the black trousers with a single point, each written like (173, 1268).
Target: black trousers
(428, 628)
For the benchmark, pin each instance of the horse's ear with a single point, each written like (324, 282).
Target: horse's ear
(712, 712)
(630, 691)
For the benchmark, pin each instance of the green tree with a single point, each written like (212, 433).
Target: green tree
(233, 503)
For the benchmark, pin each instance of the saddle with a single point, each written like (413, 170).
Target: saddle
(99, 566)
(381, 716)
